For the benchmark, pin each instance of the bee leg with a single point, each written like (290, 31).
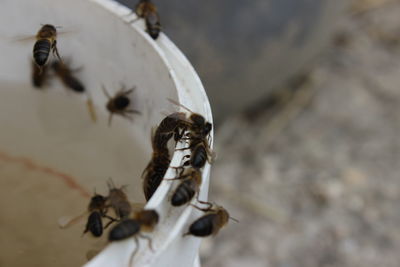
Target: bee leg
(133, 111)
(110, 222)
(186, 163)
(208, 208)
(126, 116)
(148, 240)
(55, 51)
(178, 135)
(179, 169)
(105, 91)
(128, 92)
(209, 204)
(135, 251)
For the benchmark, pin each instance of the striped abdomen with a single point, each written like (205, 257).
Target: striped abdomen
(184, 192)
(124, 229)
(203, 226)
(94, 224)
(41, 51)
(155, 173)
(153, 25)
(199, 157)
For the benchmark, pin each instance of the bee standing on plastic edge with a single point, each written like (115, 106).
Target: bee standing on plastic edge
(148, 11)
(158, 165)
(142, 221)
(118, 200)
(189, 187)
(97, 208)
(119, 104)
(199, 133)
(210, 223)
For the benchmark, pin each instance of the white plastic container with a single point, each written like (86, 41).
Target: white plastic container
(53, 156)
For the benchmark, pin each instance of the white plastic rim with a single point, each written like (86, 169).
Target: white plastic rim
(52, 156)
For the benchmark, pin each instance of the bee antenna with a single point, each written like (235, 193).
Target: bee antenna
(179, 104)
(110, 183)
(233, 219)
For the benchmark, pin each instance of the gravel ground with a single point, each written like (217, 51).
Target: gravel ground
(312, 174)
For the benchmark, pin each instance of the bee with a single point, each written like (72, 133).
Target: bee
(65, 74)
(97, 209)
(187, 188)
(174, 123)
(195, 123)
(199, 131)
(46, 41)
(148, 11)
(118, 201)
(39, 75)
(144, 220)
(210, 223)
(158, 165)
(119, 104)
(200, 153)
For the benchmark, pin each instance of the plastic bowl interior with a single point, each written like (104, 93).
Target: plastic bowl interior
(53, 156)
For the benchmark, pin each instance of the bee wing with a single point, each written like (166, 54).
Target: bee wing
(67, 221)
(179, 104)
(23, 38)
(146, 170)
(178, 115)
(66, 30)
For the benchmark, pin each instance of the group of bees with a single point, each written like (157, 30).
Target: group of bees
(193, 130)
(46, 42)
(187, 127)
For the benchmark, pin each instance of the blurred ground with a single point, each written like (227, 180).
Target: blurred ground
(312, 174)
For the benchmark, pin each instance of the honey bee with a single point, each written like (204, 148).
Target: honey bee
(97, 209)
(39, 75)
(144, 220)
(118, 201)
(119, 104)
(174, 123)
(187, 188)
(65, 74)
(46, 41)
(210, 223)
(200, 153)
(195, 123)
(148, 11)
(199, 131)
(158, 165)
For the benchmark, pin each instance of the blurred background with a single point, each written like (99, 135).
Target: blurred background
(306, 99)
